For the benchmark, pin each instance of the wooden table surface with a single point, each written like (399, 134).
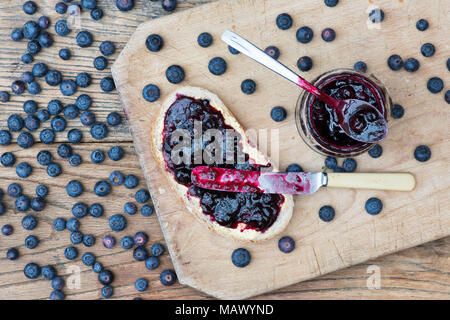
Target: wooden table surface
(418, 273)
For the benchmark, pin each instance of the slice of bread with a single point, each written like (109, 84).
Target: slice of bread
(193, 203)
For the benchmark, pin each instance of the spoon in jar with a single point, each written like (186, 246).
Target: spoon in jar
(357, 118)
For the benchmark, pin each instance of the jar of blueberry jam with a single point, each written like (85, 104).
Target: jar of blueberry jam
(316, 121)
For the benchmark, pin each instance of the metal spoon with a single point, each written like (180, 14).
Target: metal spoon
(358, 119)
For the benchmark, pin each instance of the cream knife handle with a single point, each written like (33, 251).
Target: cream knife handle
(377, 181)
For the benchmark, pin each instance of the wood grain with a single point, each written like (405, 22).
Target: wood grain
(421, 272)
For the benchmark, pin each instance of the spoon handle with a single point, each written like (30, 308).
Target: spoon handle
(253, 52)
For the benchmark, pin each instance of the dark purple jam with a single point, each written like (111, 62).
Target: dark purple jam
(323, 121)
(256, 211)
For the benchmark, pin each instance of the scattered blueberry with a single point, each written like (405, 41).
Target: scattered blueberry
(96, 210)
(427, 50)
(141, 284)
(8, 159)
(43, 22)
(4, 96)
(88, 259)
(233, 50)
(205, 39)
(326, 213)
(25, 140)
(32, 271)
(41, 191)
(99, 131)
(435, 85)
(175, 74)
(61, 8)
(304, 63)
(59, 224)
(43, 115)
(349, 165)
(157, 249)
(130, 208)
(97, 267)
(395, 62)
(97, 156)
(422, 153)
(79, 210)
(169, 5)
(328, 34)
(74, 136)
(168, 277)
(48, 273)
(29, 222)
(151, 92)
(27, 58)
(14, 190)
(376, 15)
(376, 151)
(117, 222)
(154, 42)
(89, 240)
(58, 283)
(44, 157)
(217, 66)
(96, 13)
(71, 253)
(273, 52)
(131, 181)
(53, 78)
(304, 34)
(116, 153)
(73, 224)
(397, 111)
(152, 263)
(127, 242)
(12, 254)
(68, 87)
(331, 3)
(5, 137)
(140, 254)
(107, 84)
(286, 244)
(31, 30)
(107, 48)
(17, 34)
(102, 188)
(411, 65)
(360, 66)
(278, 114)
(240, 258)
(105, 277)
(87, 118)
(62, 28)
(284, 21)
(74, 188)
(76, 237)
(374, 206)
(294, 168)
(37, 204)
(84, 39)
(109, 242)
(7, 230)
(53, 170)
(422, 25)
(107, 291)
(116, 178)
(248, 86)
(140, 239)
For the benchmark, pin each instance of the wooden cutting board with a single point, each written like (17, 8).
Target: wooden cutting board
(201, 257)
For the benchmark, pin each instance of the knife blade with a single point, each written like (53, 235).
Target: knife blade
(233, 180)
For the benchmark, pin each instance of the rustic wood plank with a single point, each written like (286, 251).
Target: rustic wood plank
(421, 272)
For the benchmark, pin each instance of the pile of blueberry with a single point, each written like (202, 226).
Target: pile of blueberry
(58, 115)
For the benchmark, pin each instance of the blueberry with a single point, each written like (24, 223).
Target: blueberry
(17, 34)
(18, 86)
(83, 80)
(55, 107)
(76, 237)
(360, 66)
(284, 21)
(411, 65)
(168, 277)
(427, 50)
(107, 48)
(61, 8)
(68, 87)
(152, 263)
(97, 156)
(109, 242)
(448, 64)
(395, 62)
(397, 111)
(27, 58)
(131, 181)
(74, 188)
(14, 190)
(73, 224)
(326, 213)
(71, 253)
(34, 88)
(140, 254)
(151, 92)
(45, 39)
(1, 194)
(89, 240)
(22, 203)
(154, 42)
(116, 178)
(87, 118)
(58, 283)
(7, 230)
(12, 254)
(248, 86)
(53, 170)
(331, 162)
(217, 66)
(140, 239)
(53, 78)
(59, 224)
(376, 151)
(100, 63)
(107, 291)
(376, 15)
(37, 204)
(422, 153)
(175, 74)
(29, 223)
(304, 63)
(328, 34)
(5, 137)
(130, 208)
(65, 54)
(15, 123)
(79, 210)
(294, 168)
(64, 150)
(96, 14)
(31, 30)
(116, 153)
(32, 123)
(4, 96)
(107, 84)
(88, 259)
(84, 39)
(74, 136)
(33, 47)
(142, 196)
(83, 102)
(62, 28)
(169, 5)
(447, 96)
(435, 85)
(233, 50)
(57, 295)
(422, 25)
(278, 114)
(47, 136)
(97, 267)
(8, 159)
(23, 170)
(43, 115)
(89, 4)
(102, 188)
(2, 209)
(99, 131)
(30, 106)
(205, 39)
(27, 77)
(43, 22)
(32, 270)
(157, 249)
(141, 284)
(41, 191)
(273, 52)
(31, 242)
(286, 244)
(127, 243)
(105, 277)
(331, 3)
(96, 210)
(124, 5)
(349, 165)
(374, 206)
(240, 257)
(304, 34)
(25, 140)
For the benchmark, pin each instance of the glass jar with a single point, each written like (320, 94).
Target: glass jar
(315, 120)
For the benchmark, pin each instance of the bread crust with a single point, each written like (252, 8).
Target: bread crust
(193, 203)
